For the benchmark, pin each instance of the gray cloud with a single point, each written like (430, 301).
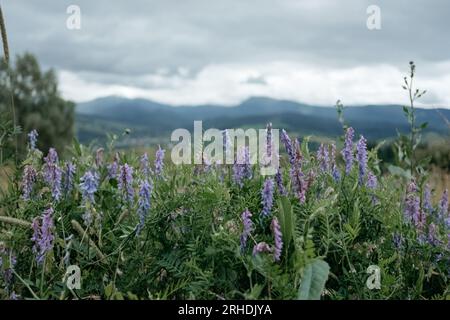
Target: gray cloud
(123, 41)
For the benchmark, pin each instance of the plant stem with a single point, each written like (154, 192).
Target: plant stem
(6, 58)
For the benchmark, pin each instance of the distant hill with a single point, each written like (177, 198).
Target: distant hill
(151, 121)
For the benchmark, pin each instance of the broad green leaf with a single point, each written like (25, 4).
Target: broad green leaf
(313, 281)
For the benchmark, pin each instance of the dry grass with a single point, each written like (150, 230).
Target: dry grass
(439, 181)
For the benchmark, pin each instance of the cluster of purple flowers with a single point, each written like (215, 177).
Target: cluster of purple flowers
(269, 141)
(247, 228)
(361, 154)
(276, 230)
(28, 180)
(159, 161)
(113, 168)
(443, 207)
(279, 180)
(145, 167)
(267, 196)
(32, 138)
(43, 237)
(88, 186)
(286, 140)
(242, 168)
(145, 192)
(347, 152)
(261, 247)
(323, 158)
(52, 173)
(125, 183)
(412, 206)
(69, 174)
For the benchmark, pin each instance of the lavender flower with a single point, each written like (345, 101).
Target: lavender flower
(323, 158)
(145, 167)
(432, 235)
(427, 199)
(347, 152)
(113, 167)
(361, 153)
(52, 173)
(42, 235)
(144, 202)
(88, 185)
(267, 197)
(32, 137)
(242, 167)
(276, 230)
(159, 161)
(69, 174)
(288, 145)
(28, 180)
(269, 140)
(248, 228)
(372, 181)
(443, 206)
(261, 247)
(279, 181)
(412, 205)
(125, 183)
(334, 169)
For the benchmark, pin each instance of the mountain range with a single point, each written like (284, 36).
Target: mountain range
(151, 122)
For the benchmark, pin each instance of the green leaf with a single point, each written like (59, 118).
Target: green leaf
(286, 220)
(313, 282)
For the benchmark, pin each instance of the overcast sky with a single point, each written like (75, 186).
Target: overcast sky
(224, 51)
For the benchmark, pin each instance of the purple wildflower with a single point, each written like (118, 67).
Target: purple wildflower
(372, 181)
(267, 196)
(443, 206)
(113, 167)
(276, 230)
(361, 153)
(144, 202)
(432, 235)
(69, 174)
(145, 167)
(279, 181)
(412, 205)
(299, 182)
(242, 167)
(261, 247)
(248, 228)
(323, 158)
(332, 165)
(347, 152)
(28, 180)
(88, 185)
(43, 235)
(288, 145)
(125, 183)
(52, 173)
(159, 161)
(32, 137)
(427, 199)
(269, 140)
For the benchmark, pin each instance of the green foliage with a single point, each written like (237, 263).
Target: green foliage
(38, 104)
(313, 282)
